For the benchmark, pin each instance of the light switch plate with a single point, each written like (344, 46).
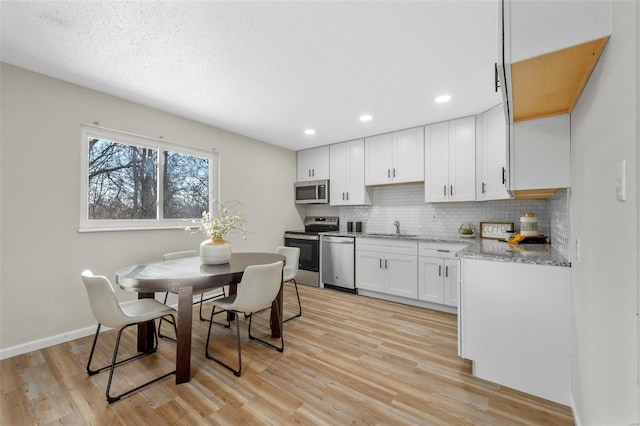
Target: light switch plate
(621, 181)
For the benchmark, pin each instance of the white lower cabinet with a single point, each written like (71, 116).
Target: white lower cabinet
(387, 266)
(439, 273)
(438, 280)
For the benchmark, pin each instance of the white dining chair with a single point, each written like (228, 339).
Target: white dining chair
(256, 291)
(110, 313)
(292, 255)
(203, 297)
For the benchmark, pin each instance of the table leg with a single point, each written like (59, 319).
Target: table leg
(145, 329)
(183, 344)
(275, 325)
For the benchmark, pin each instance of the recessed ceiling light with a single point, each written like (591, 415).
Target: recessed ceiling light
(309, 132)
(366, 117)
(443, 98)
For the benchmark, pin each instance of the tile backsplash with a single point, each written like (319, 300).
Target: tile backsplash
(405, 203)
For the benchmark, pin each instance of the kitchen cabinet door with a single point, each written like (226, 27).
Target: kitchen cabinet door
(451, 281)
(339, 174)
(378, 159)
(347, 174)
(492, 154)
(313, 164)
(462, 159)
(438, 280)
(408, 155)
(436, 162)
(450, 161)
(370, 273)
(396, 157)
(430, 284)
(401, 275)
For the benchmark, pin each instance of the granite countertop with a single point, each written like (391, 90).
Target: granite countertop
(477, 248)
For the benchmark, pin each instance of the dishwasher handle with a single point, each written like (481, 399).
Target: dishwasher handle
(337, 240)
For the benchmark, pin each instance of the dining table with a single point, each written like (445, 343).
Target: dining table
(187, 277)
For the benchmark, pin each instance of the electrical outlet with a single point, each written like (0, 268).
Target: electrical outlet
(434, 217)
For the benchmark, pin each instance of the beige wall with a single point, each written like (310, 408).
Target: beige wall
(605, 279)
(42, 252)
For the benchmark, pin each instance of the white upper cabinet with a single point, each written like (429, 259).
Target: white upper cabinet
(492, 156)
(540, 155)
(346, 164)
(547, 52)
(395, 157)
(313, 164)
(450, 161)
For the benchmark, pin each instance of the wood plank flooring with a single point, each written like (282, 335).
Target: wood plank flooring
(348, 360)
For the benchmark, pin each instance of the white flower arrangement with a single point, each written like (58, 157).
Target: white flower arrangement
(229, 220)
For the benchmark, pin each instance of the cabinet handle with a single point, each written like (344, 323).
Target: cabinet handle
(496, 79)
(343, 196)
(504, 176)
(484, 186)
(313, 172)
(385, 264)
(446, 271)
(388, 173)
(451, 191)
(439, 270)
(380, 263)
(445, 190)
(347, 196)
(394, 172)
(309, 172)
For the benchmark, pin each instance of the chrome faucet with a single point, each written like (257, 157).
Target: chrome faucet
(397, 225)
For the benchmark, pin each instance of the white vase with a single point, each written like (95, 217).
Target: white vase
(215, 251)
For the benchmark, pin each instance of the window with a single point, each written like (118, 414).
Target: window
(134, 182)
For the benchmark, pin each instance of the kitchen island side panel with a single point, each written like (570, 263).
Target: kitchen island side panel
(516, 325)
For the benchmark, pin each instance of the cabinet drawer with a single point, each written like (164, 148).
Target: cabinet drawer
(441, 250)
(379, 245)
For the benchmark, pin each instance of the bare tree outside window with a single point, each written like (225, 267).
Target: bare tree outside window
(186, 185)
(123, 182)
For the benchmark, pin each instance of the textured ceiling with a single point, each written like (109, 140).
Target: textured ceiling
(269, 70)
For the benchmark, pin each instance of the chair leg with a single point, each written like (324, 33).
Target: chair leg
(299, 304)
(115, 363)
(166, 295)
(264, 342)
(237, 372)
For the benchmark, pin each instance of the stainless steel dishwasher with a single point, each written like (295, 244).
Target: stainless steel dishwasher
(337, 257)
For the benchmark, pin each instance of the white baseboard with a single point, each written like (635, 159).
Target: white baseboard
(35, 345)
(45, 342)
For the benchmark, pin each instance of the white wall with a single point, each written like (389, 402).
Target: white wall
(605, 278)
(42, 252)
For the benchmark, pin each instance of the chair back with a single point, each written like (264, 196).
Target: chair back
(104, 305)
(293, 259)
(179, 254)
(258, 288)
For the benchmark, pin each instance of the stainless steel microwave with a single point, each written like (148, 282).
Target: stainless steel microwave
(314, 192)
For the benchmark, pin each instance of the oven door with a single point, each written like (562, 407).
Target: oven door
(309, 246)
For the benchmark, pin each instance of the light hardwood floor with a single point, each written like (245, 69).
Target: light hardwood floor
(348, 360)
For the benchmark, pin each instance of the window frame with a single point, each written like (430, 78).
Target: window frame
(98, 225)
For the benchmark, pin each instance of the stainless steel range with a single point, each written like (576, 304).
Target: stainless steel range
(308, 241)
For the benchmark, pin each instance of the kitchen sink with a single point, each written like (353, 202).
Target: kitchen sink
(392, 235)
